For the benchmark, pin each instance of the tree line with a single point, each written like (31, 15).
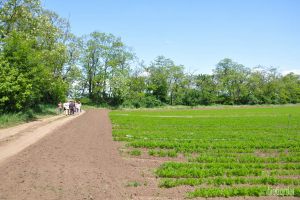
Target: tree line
(42, 62)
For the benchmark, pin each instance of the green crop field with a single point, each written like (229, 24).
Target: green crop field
(228, 151)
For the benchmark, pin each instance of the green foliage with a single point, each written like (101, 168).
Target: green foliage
(133, 184)
(15, 88)
(227, 181)
(229, 192)
(207, 88)
(135, 152)
(146, 102)
(42, 62)
(105, 60)
(243, 191)
(11, 119)
(227, 146)
(161, 153)
(231, 83)
(86, 101)
(32, 56)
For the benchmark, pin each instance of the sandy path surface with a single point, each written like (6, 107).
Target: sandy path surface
(8, 132)
(15, 139)
(77, 161)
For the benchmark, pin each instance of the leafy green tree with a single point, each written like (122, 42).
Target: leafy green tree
(291, 86)
(42, 62)
(207, 87)
(32, 46)
(72, 72)
(165, 80)
(231, 78)
(15, 89)
(256, 84)
(176, 84)
(106, 63)
(158, 78)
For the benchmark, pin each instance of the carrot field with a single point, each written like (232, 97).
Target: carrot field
(227, 151)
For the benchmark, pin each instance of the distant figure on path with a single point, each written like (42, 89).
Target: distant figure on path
(78, 106)
(72, 107)
(59, 107)
(67, 108)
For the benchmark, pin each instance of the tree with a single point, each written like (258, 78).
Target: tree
(165, 80)
(256, 84)
(291, 86)
(231, 78)
(207, 87)
(106, 63)
(175, 84)
(32, 45)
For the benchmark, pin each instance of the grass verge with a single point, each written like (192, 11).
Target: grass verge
(40, 111)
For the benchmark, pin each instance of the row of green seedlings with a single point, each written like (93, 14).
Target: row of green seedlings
(211, 158)
(222, 147)
(168, 170)
(244, 191)
(274, 155)
(267, 166)
(225, 158)
(229, 181)
(184, 137)
(156, 153)
(246, 158)
(207, 124)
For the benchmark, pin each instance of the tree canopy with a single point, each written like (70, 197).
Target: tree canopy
(41, 61)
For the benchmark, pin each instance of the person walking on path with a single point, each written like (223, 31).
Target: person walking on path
(59, 108)
(67, 108)
(72, 107)
(78, 106)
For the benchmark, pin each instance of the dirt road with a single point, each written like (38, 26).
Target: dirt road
(78, 161)
(15, 139)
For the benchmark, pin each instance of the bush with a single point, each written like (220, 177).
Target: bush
(86, 101)
(14, 118)
(146, 102)
(151, 102)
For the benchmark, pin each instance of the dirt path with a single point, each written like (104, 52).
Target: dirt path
(78, 161)
(8, 132)
(15, 139)
(68, 164)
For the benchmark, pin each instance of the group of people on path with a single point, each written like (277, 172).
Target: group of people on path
(70, 108)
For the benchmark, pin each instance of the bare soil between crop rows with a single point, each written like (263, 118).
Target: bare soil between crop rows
(80, 160)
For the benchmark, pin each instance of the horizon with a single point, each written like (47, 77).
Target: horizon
(197, 35)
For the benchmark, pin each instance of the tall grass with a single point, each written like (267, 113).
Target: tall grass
(40, 111)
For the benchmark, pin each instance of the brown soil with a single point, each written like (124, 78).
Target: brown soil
(77, 161)
(81, 161)
(13, 140)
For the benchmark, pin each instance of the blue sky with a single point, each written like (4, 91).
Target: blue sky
(195, 33)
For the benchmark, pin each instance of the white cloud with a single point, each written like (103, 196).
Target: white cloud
(144, 74)
(295, 71)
